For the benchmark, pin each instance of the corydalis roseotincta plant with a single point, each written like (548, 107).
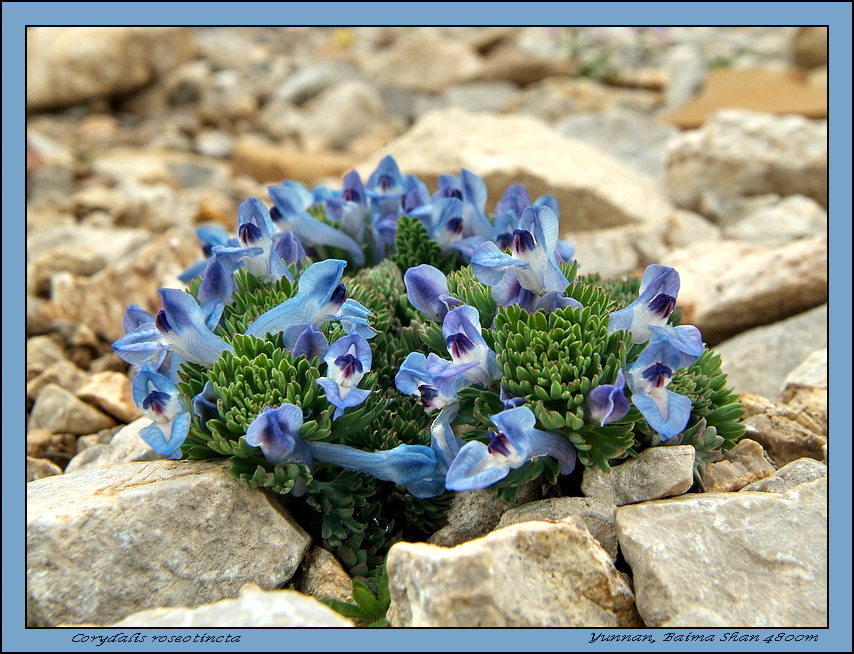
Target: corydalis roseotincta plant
(471, 356)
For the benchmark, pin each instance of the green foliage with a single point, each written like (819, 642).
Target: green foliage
(553, 361)
(414, 247)
(463, 285)
(369, 606)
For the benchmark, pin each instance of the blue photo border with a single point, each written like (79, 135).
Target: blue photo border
(16, 15)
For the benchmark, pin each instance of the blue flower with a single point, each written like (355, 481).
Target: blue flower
(433, 379)
(607, 403)
(310, 343)
(320, 298)
(290, 249)
(404, 464)
(159, 397)
(427, 290)
(256, 249)
(385, 189)
(347, 360)
(669, 349)
(516, 442)
(182, 327)
(350, 209)
(205, 404)
(445, 446)
(291, 201)
(209, 236)
(532, 267)
(466, 344)
(276, 432)
(658, 290)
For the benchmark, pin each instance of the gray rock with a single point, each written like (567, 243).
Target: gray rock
(423, 63)
(619, 251)
(102, 544)
(811, 373)
(685, 228)
(758, 286)
(307, 82)
(598, 516)
(323, 576)
(751, 559)
(743, 464)
(534, 574)
(281, 119)
(67, 65)
(594, 190)
(633, 138)
(42, 353)
(800, 471)
(475, 513)
(253, 608)
(100, 301)
(658, 472)
(479, 96)
(125, 446)
(59, 412)
(339, 114)
(743, 153)
(41, 468)
(62, 373)
(789, 219)
(686, 73)
(759, 360)
(785, 434)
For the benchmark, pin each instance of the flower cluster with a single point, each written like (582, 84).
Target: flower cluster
(488, 363)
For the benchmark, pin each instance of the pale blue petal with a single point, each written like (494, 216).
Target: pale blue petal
(315, 288)
(311, 343)
(607, 403)
(426, 287)
(489, 264)
(474, 467)
(676, 415)
(141, 344)
(402, 465)
(333, 394)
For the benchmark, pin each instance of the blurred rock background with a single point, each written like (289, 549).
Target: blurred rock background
(697, 147)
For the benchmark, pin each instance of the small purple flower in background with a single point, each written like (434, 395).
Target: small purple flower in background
(516, 442)
(291, 201)
(256, 250)
(427, 290)
(347, 360)
(432, 379)
(161, 400)
(607, 403)
(657, 298)
(465, 342)
(209, 236)
(669, 349)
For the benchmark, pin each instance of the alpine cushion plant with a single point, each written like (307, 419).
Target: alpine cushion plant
(470, 355)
